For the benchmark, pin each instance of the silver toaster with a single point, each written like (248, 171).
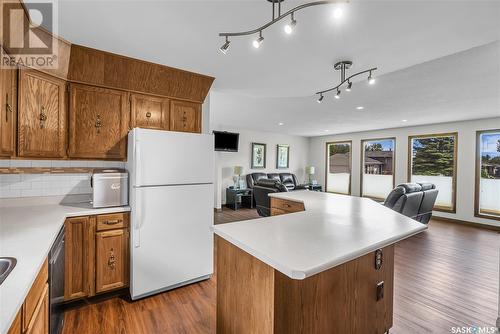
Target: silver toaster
(109, 188)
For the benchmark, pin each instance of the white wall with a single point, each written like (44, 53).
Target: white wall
(465, 163)
(225, 161)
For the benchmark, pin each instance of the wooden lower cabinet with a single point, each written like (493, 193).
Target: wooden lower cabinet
(16, 327)
(253, 297)
(185, 116)
(39, 323)
(96, 255)
(111, 260)
(281, 206)
(79, 252)
(33, 318)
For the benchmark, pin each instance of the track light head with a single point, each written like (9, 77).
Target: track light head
(371, 79)
(256, 43)
(290, 26)
(337, 96)
(225, 47)
(321, 97)
(349, 86)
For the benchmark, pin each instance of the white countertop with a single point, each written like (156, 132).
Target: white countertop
(28, 228)
(332, 230)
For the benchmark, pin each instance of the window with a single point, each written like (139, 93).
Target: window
(338, 167)
(433, 158)
(377, 167)
(487, 203)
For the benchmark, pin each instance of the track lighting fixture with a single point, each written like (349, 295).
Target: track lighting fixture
(290, 26)
(225, 47)
(256, 44)
(371, 79)
(349, 86)
(277, 16)
(320, 99)
(342, 66)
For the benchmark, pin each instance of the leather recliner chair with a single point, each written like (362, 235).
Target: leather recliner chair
(261, 192)
(414, 200)
(430, 194)
(405, 199)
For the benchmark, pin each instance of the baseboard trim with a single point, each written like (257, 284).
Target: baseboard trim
(464, 222)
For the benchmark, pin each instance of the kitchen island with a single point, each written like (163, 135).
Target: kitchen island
(323, 263)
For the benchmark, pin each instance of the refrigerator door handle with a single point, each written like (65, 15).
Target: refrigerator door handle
(139, 221)
(137, 163)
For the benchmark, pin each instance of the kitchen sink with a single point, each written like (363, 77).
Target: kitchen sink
(6, 266)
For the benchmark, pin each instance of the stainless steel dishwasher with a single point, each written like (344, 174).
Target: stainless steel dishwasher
(56, 284)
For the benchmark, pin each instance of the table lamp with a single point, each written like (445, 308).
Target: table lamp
(310, 171)
(238, 170)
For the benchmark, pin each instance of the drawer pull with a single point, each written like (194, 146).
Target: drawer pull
(112, 222)
(148, 114)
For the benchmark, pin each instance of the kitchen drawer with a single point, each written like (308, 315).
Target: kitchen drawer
(33, 297)
(277, 212)
(112, 221)
(286, 205)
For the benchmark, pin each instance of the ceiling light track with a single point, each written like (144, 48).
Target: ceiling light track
(276, 17)
(342, 66)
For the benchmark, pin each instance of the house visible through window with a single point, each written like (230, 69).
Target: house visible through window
(432, 159)
(377, 177)
(338, 167)
(487, 202)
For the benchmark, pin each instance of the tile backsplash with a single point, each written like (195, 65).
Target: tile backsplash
(30, 185)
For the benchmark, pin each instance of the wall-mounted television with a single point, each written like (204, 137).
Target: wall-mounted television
(226, 141)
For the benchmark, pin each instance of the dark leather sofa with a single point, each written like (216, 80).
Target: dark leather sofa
(414, 200)
(288, 179)
(261, 191)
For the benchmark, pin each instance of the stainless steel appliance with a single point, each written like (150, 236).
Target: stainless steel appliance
(56, 284)
(109, 188)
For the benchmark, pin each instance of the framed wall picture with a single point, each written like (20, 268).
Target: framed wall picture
(282, 156)
(258, 155)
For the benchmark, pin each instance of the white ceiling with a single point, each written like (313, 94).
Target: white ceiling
(277, 81)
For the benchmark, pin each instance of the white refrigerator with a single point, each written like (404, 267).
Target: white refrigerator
(171, 197)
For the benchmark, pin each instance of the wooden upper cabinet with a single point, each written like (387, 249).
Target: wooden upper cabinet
(98, 123)
(41, 115)
(149, 112)
(185, 116)
(8, 112)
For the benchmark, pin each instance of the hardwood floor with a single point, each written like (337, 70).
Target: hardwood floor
(446, 276)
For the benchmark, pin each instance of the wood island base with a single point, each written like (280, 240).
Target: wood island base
(253, 297)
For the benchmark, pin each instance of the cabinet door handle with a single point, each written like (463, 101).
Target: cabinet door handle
(148, 114)
(111, 260)
(112, 222)
(98, 123)
(42, 117)
(8, 108)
